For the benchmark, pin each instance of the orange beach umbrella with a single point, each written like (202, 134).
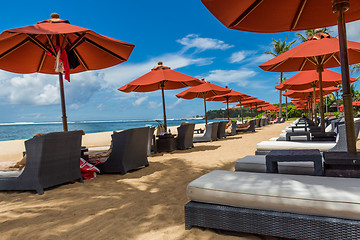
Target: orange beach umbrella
(160, 77)
(231, 96)
(318, 52)
(204, 90)
(309, 79)
(34, 48)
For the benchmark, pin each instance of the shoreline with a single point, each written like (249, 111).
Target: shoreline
(12, 150)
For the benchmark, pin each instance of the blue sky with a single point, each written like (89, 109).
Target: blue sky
(182, 34)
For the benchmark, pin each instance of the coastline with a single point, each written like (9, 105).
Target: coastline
(12, 150)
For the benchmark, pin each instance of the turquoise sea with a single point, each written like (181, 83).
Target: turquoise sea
(25, 130)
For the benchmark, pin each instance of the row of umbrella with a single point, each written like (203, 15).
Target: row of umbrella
(257, 16)
(164, 78)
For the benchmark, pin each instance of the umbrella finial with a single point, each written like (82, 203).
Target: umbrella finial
(54, 15)
(160, 66)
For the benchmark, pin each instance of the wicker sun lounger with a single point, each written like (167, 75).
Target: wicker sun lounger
(221, 130)
(279, 205)
(129, 151)
(51, 159)
(206, 136)
(185, 136)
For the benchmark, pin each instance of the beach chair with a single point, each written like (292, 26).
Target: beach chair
(214, 133)
(129, 151)
(339, 145)
(221, 130)
(151, 141)
(233, 129)
(279, 205)
(251, 127)
(206, 136)
(185, 136)
(51, 159)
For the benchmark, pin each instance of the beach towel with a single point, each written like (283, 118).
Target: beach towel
(88, 170)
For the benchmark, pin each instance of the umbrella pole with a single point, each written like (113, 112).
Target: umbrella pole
(320, 69)
(314, 105)
(337, 101)
(227, 106)
(205, 110)
(163, 101)
(63, 108)
(340, 7)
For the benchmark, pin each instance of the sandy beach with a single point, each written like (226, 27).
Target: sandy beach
(143, 204)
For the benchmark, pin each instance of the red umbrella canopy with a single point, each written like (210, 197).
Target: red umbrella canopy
(308, 79)
(204, 90)
(305, 93)
(251, 102)
(32, 48)
(277, 15)
(311, 54)
(231, 100)
(232, 96)
(158, 78)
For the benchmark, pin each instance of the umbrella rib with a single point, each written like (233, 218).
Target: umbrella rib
(276, 65)
(77, 42)
(325, 60)
(303, 64)
(81, 60)
(20, 44)
(311, 60)
(336, 59)
(39, 44)
(51, 43)
(42, 61)
(245, 13)
(104, 49)
(298, 14)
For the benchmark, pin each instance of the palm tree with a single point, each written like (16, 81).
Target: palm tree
(279, 47)
(355, 68)
(309, 33)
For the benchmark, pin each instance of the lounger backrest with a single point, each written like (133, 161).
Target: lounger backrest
(214, 131)
(221, 129)
(129, 150)
(185, 135)
(53, 158)
(150, 140)
(341, 144)
(233, 128)
(208, 130)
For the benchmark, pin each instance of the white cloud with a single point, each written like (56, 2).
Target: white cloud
(201, 44)
(239, 56)
(118, 76)
(352, 30)
(154, 104)
(240, 77)
(140, 100)
(175, 104)
(261, 58)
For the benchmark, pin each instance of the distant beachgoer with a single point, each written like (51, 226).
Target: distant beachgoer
(228, 127)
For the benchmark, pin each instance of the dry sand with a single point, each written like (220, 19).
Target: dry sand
(143, 204)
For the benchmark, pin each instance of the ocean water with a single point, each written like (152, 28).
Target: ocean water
(25, 130)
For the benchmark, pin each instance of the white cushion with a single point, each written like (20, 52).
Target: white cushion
(320, 196)
(257, 163)
(283, 145)
(10, 174)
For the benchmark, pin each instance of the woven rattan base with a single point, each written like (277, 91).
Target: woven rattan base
(271, 223)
